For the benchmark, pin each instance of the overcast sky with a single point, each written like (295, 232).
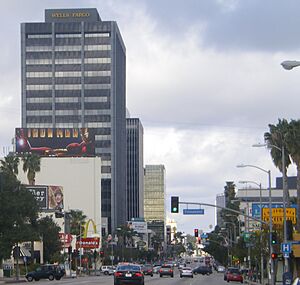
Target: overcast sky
(204, 77)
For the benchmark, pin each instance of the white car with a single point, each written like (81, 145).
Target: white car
(220, 268)
(186, 272)
(108, 270)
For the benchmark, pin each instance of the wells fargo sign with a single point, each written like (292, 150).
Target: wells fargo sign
(277, 215)
(70, 15)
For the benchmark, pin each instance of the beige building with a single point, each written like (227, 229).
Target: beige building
(80, 179)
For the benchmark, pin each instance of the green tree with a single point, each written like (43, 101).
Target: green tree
(276, 138)
(293, 146)
(31, 165)
(49, 233)
(77, 222)
(10, 165)
(18, 214)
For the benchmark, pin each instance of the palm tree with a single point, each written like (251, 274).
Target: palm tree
(77, 222)
(10, 165)
(31, 165)
(276, 138)
(293, 145)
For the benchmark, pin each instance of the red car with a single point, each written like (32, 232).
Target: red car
(234, 274)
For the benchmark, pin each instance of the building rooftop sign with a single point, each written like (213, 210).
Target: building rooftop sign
(72, 15)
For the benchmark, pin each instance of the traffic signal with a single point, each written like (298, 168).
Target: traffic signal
(196, 232)
(70, 250)
(174, 204)
(101, 253)
(274, 238)
(274, 255)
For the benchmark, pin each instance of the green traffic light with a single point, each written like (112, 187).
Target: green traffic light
(174, 210)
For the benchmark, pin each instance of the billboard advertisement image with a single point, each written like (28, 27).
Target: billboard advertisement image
(56, 141)
(40, 193)
(48, 197)
(55, 198)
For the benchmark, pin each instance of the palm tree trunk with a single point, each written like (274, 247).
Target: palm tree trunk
(298, 198)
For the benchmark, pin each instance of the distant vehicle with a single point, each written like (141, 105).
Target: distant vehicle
(156, 269)
(147, 269)
(181, 265)
(234, 274)
(220, 268)
(130, 274)
(186, 272)
(204, 270)
(226, 271)
(48, 271)
(108, 269)
(166, 269)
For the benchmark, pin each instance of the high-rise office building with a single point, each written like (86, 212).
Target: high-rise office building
(135, 169)
(154, 198)
(220, 202)
(73, 75)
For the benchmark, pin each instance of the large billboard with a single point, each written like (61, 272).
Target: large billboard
(48, 197)
(56, 141)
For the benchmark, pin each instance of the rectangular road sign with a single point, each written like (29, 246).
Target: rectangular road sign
(277, 215)
(286, 247)
(193, 211)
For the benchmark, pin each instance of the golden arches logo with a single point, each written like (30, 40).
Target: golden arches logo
(86, 227)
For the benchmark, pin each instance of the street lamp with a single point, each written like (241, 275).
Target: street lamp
(290, 64)
(284, 193)
(260, 239)
(270, 215)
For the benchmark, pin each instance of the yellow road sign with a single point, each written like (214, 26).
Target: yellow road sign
(277, 215)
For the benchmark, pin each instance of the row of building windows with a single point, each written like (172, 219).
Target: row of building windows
(67, 48)
(68, 74)
(45, 61)
(68, 86)
(66, 112)
(87, 35)
(66, 99)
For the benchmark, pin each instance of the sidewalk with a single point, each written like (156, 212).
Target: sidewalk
(7, 280)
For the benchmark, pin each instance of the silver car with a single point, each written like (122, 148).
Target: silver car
(186, 272)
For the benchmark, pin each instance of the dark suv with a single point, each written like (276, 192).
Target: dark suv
(48, 271)
(204, 270)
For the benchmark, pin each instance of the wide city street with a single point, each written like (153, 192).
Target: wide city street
(213, 279)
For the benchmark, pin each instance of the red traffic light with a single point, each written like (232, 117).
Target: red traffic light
(274, 255)
(196, 232)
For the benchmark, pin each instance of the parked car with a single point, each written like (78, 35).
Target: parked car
(166, 269)
(108, 269)
(204, 270)
(186, 272)
(128, 273)
(147, 269)
(47, 271)
(234, 274)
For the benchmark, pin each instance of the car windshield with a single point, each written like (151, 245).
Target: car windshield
(234, 271)
(166, 266)
(128, 268)
(187, 268)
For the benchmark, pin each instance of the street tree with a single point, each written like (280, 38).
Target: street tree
(49, 234)
(31, 165)
(18, 214)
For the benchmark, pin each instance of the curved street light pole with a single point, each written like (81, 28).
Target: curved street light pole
(270, 216)
(260, 238)
(284, 194)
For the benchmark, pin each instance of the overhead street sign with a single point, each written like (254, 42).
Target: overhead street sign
(277, 215)
(193, 211)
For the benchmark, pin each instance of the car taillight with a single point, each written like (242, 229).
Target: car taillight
(118, 274)
(160, 270)
(138, 274)
(170, 270)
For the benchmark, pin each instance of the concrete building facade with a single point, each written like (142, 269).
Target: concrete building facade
(135, 169)
(74, 76)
